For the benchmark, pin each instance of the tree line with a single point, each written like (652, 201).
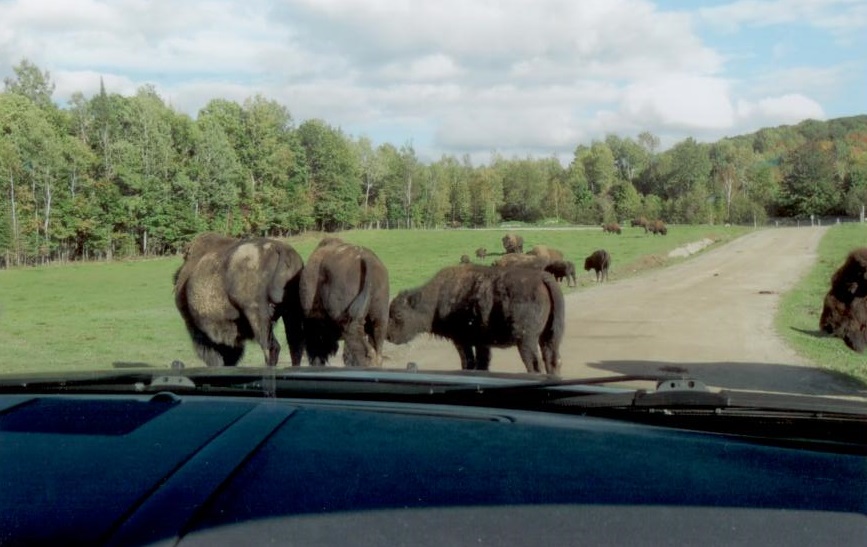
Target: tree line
(110, 176)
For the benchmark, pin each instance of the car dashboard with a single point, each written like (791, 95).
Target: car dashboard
(170, 469)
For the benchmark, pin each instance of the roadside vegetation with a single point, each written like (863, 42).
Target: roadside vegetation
(90, 315)
(801, 307)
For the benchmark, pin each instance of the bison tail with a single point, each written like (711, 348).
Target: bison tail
(555, 328)
(358, 307)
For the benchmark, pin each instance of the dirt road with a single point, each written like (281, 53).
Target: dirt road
(710, 316)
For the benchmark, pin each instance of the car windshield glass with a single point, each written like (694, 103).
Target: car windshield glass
(566, 190)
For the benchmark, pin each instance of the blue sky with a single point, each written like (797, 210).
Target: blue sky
(467, 76)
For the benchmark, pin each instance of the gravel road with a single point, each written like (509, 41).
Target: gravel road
(710, 316)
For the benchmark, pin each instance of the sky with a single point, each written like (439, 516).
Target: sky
(517, 77)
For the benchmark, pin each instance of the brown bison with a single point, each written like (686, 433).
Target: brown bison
(599, 261)
(611, 228)
(561, 269)
(544, 251)
(640, 222)
(513, 243)
(229, 291)
(344, 295)
(521, 260)
(477, 307)
(481, 253)
(844, 313)
(656, 227)
(465, 259)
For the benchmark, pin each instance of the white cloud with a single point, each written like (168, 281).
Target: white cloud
(513, 75)
(841, 16)
(785, 109)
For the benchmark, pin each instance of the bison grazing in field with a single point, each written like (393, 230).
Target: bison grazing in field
(544, 251)
(639, 222)
(344, 294)
(481, 253)
(611, 228)
(513, 243)
(525, 260)
(229, 291)
(844, 313)
(477, 307)
(563, 269)
(599, 261)
(465, 259)
(657, 227)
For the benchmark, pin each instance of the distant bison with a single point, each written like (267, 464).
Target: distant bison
(611, 228)
(344, 295)
(521, 260)
(465, 259)
(229, 291)
(513, 243)
(844, 313)
(657, 227)
(561, 269)
(481, 253)
(477, 307)
(640, 222)
(544, 251)
(599, 261)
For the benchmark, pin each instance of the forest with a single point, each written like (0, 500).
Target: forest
(111, 176)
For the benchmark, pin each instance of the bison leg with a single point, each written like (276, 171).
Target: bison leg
(551, 357)
(357, 351)
(376, 330)
(465, 351)
(293, 324)
(483, 357)
(321, 340)
(262, 328)
(529, 351)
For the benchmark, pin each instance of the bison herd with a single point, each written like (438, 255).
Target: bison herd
(229, 291)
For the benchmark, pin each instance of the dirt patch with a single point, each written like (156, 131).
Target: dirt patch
(690, 248)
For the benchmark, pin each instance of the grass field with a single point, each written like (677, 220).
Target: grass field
(800, 308)
(100, 315)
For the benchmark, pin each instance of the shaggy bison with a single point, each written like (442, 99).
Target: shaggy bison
(513, 243)
(477, 307)
(544, 251)
(344, 294)
(563, 269)
(844, 313)
(481, 253)
(599, 261)
(521, 260)
(229, 291)
(611, 228)
(640, 222)
(656, 227)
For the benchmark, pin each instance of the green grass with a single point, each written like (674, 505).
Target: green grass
(800, 308)
(91, 315)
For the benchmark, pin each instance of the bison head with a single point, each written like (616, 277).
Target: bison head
(407, 317)
(844, 312)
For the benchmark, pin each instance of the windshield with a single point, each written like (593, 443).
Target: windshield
(568, 189)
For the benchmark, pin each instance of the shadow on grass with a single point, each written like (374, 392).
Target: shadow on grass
(131, 364)
(814, 333)
(803, 380)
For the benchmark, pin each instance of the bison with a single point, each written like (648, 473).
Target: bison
(599, 261)
(477, 307)
(344, 295)
(844, 313)
(657, 227)
(611, 228)
(544, 251)
(640, 222)
(513, 243)
(563, 269)
(465, 259)
(229, 291)
(481, 253)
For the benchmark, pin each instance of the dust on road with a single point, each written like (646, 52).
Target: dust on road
(710, 316)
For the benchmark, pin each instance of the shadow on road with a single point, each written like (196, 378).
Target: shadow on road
(749, 376)
(813, 333)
